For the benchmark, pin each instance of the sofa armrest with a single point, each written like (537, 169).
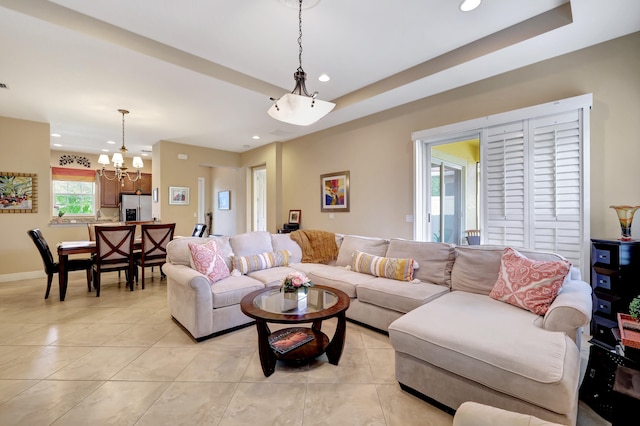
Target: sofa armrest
(570, 310)
(475, 414)
(189, 298)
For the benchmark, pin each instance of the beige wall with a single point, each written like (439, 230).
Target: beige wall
(378, 152)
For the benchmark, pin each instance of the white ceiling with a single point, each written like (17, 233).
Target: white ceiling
(201, 71)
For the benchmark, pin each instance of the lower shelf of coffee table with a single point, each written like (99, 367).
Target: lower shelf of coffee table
(308, 350)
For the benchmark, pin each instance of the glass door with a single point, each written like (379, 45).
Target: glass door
(447, 203)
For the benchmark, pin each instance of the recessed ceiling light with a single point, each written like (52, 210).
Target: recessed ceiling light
(469, 5)
(111, 142)
(324, 78)
(144, 154)
(55, 135)
(57, 144)
(255, 137)
(105, 150)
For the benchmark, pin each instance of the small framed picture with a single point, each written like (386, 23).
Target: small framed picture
(224, 200)
(179, 195)
(294, 216)
(334, 192)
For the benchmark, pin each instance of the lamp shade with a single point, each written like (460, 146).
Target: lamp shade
(137, 162)
(299, 110)
(103, 159)
(117, 159)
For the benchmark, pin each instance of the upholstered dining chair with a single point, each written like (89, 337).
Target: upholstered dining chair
(155, 238)
(199, 229)
(114, 252)
(51, 267)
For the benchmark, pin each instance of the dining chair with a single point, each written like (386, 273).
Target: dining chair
(92, 228)
(155, 238)
(114, 252)
(51, 267)
(199, 229)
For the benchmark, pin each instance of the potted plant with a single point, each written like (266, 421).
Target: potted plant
(634, 308)
(60, 214)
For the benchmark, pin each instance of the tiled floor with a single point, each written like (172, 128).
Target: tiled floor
(120, 359)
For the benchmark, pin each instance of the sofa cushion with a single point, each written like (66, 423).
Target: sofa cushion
(529, 284)
(284, 242)
(178, 251)
(400, 269)
(476, 268)
(494, 344)
(338, 277)
(435, 259)
(398, 296)
(251, 243)
(273, 276)
(246, 264)
(206, 259)
(351, 243)
(231, 290)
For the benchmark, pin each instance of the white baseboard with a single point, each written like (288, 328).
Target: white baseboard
(19, 276)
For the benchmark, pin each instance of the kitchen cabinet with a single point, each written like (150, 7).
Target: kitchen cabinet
(110, 190)
(144, 183)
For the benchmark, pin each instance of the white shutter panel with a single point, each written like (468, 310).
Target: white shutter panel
(556, 168)
(504, 178)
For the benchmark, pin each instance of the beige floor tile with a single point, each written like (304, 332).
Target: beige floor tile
(342, 404)
(140, 335)
(92, 335)
(259, 404)
(158, 364)
(44, 402)
(284, 373)
(374, 340)
(116, 403)
(126, 316)
(46, 334)
(9, 332)
(176, 338)
(403, 409)
(188, 403)
(101, 363)
(42, 362)
(353, 367)
(11, 388)
(217, 365)
(383, 367)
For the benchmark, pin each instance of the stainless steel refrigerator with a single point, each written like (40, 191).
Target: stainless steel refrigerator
(135, 208)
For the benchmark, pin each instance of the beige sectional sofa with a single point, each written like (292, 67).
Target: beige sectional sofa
(453, 342)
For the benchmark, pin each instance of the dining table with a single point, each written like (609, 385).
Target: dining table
(67, 248)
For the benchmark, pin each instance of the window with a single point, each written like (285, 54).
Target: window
(73, 191)
(533, 183)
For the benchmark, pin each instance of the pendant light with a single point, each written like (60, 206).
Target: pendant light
(118, 161)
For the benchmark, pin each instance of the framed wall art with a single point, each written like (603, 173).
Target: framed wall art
(18, 192)
(179, 195)
(224, 200)
(334, 192)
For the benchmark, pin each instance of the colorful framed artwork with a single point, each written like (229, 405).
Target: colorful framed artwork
(18, 192)
(334, 190)
(179, 195)
(224, 200)
(295, 216)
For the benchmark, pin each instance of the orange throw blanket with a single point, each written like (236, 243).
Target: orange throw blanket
(317, 246)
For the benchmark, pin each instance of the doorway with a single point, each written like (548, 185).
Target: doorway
(259, 198)
(447, 202)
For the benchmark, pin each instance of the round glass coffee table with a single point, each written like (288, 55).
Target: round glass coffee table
(296, 344)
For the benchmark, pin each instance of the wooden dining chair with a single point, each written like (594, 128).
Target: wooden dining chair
(155, 238)
(114, 252)
(198, 230)
(51, 267)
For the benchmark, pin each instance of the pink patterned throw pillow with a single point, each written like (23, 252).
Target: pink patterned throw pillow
(206, 259)
(529, 284)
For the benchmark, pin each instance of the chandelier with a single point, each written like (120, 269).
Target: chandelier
(118, 160)
(299, 107)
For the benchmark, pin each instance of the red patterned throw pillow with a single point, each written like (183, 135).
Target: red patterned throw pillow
(207, 260)
(529, 284)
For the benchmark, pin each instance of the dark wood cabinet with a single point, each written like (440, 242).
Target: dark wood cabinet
(109, 190)
(615, 279)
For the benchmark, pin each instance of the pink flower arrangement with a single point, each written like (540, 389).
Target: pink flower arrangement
(294, 281)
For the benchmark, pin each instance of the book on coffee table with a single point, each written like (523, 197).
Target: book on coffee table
(284, 342)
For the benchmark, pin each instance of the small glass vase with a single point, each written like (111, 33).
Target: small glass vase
(625, 216)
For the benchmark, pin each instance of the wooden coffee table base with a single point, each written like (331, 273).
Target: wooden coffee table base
(310, 350)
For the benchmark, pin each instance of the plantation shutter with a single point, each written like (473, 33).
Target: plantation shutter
(506, 207)
(556, 162)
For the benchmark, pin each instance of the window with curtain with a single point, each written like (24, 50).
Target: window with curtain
(73, 191)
